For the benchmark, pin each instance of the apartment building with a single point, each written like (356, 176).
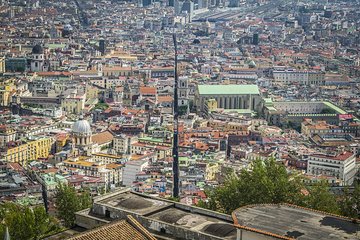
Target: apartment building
(340, 165)
(121, 143)
(310, 127)
(302, 77)
(111, 173)
(6, 135)
(32, 149)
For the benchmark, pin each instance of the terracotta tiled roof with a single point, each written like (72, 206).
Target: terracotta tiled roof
(102, 137)
(117, 68)
(54, 74)
(148, 90)
(162, 99)
(340, 157)
(120, 230)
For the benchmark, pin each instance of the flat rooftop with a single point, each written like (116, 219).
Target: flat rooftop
(162, 211)
(196, 222)
(295, 222)
(231, 89)
(135, 203)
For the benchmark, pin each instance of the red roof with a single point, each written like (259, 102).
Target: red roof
(340, 157)
(148, 90)
(54, 74)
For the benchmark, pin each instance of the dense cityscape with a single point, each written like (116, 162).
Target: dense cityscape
(180, 119)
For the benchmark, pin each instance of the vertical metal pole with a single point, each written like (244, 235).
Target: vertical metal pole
(176, 129)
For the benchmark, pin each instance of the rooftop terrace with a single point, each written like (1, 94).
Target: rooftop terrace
(295, 222)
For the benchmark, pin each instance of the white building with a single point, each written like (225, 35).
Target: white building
(342, 166)
(131, 169)
(232, 96)
(82, 135)
(38, 59)
(121, 143)
(111, 173)
(302, 77)
(183, 91)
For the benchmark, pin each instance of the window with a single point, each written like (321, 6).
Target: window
(107, 213)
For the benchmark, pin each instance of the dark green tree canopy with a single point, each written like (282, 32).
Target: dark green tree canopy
(68, 202)
(269, 182)
(25, 222)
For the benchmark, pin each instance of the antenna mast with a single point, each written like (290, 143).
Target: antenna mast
(176, 129)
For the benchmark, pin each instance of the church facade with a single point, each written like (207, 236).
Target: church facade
(230, 96)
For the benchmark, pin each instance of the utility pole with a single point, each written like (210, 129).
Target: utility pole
(176, 129)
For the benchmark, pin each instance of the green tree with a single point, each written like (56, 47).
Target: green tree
(328, 111)
(269, 182)
(266, 182)
(101, 105)
(25, 222)
(175, 199)
(85, 200)
(320, 198)
(183, 110)
(350, 202)
(41, 221)
(68, 202)
(191, 106)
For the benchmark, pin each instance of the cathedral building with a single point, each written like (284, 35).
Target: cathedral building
(228, 96)
(38, 60)
(82, 135)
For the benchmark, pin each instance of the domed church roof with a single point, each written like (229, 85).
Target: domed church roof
(37, 49)
(82, 126)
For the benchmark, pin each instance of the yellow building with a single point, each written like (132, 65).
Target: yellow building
(7, 134)
(117, 71)
(227, 126)
(122, 56)
(2, 64)
(92, 92)
(310, 127)
(212, 105)
(212, 169)
(31, 150)
(61, 141)
(110, 173)
(7, 86)
(74, 105)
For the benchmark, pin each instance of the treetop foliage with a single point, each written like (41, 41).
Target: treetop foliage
(68, 202)
(269, 182)
(25, 223)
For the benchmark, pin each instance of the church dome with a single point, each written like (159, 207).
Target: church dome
(68, 27)
(37, 49)
(196, 41)
(81, 127)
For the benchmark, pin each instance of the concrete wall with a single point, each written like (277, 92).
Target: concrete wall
(88, 222)
(150, 224)
(299, 107)
(248, 235)
(165, 229)
(203, 211)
